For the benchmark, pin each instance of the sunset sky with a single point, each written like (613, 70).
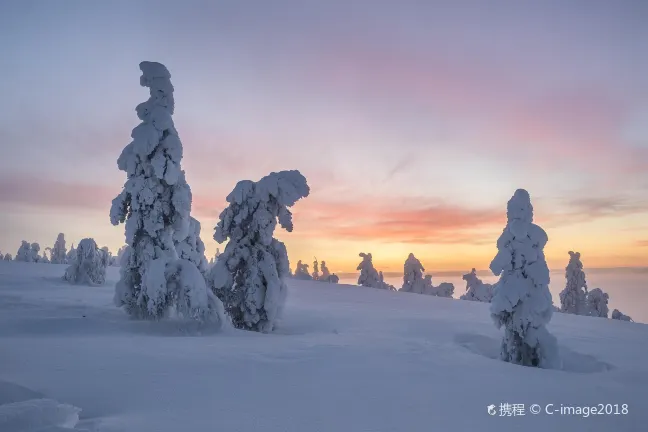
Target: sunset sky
(414, 122)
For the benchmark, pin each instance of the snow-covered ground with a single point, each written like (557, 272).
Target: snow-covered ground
(345, 358)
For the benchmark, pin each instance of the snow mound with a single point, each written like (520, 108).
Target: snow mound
(37, 415)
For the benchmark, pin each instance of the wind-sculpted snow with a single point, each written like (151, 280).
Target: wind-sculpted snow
(88, 266)
(249, 275)
(573, 298)
(522, 302)
(155, 206)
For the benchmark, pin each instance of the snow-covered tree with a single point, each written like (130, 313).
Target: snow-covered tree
(326, 275)
(155, 205)
(413, 276)
(71, 255)
(89, 265)
(25, 253)
(573, 297)
(59, 252)
(445, 289)
(617, 315)
(249, 276)
(522, 302)
(44, 259)
(8, 257)
(192, 248)
(597, 303)
(316, 274)
(120, 255)
(476, 290)
(301, 271)
(35, 249)
(369, 276)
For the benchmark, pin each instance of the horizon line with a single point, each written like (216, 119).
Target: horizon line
(641, 269)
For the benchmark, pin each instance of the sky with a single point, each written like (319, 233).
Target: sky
(414, 122)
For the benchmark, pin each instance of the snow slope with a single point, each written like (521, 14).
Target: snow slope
(344, 358)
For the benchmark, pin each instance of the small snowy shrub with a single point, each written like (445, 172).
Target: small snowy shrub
(369, 277)
(597, 303)
(445, 289)
(249, 275)
(301, 271)
(59, 252)
(617, 315)
(89, 265)
(155, 204)
(573, 297)
(476, 290)
(522, 301)
(8, 257)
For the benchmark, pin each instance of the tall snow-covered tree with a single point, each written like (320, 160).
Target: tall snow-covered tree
(316, 274)
(522, 302)
(249, 276)
(596, 303)
(192, 247)
(574, 297)
(155, 205)
(24, 253)
(59, 252)
(476, 290)
(617, 315)
(413, 276)
(89, 265)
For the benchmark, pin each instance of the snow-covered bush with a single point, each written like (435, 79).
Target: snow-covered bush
(44, 259)
(8, 257)
(89, 265)
(192, 248)
(59, 252)
(71, 255)
(155, 205)
(316, 274)
(249, 275)
(24, 253)
(476, 290)
(522, 302)
(369, 276)
(445, 289)
(617, 315)
(326, 275)
(413, 276)
(301, 271)
(597, 303)
(573, 297)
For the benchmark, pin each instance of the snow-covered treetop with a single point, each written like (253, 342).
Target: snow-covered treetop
(574, 271)
(413, 269)
(268, 200)
(519, 207)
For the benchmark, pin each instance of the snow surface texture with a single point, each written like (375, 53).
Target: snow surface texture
(301, 271)
(345, 358)
(573, 297)
(155, 205)
(37, 415)
(192, 248)
(617, 315)
(476, 290)
(522, 302)
(597, 303)
(59, 251)
(89, 265)
(249, 275)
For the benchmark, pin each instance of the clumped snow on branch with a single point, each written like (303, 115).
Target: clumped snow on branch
(89, 265)
(476, 290)
(192, 248)
(59, 252)
(155, 205)
(573, 297)
(522, 301)
(249, 275)
(617, 315)
(597, 303)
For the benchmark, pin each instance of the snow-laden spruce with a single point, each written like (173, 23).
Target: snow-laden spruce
(8, 257)
(249, 275)
(476, 290)
(301, 271)
(315, 274)
(89, 265)
(522, 301)
(59, 252)
(192, 248)
(24, 252)
(34, 249)
(596, 303)
(327, 276)
(155, 205)
(368, 274)
(573, 297)
(617, 315)
(71, 254)
(413, 276)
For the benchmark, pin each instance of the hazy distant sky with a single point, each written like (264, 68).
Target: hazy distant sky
(414, 121)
